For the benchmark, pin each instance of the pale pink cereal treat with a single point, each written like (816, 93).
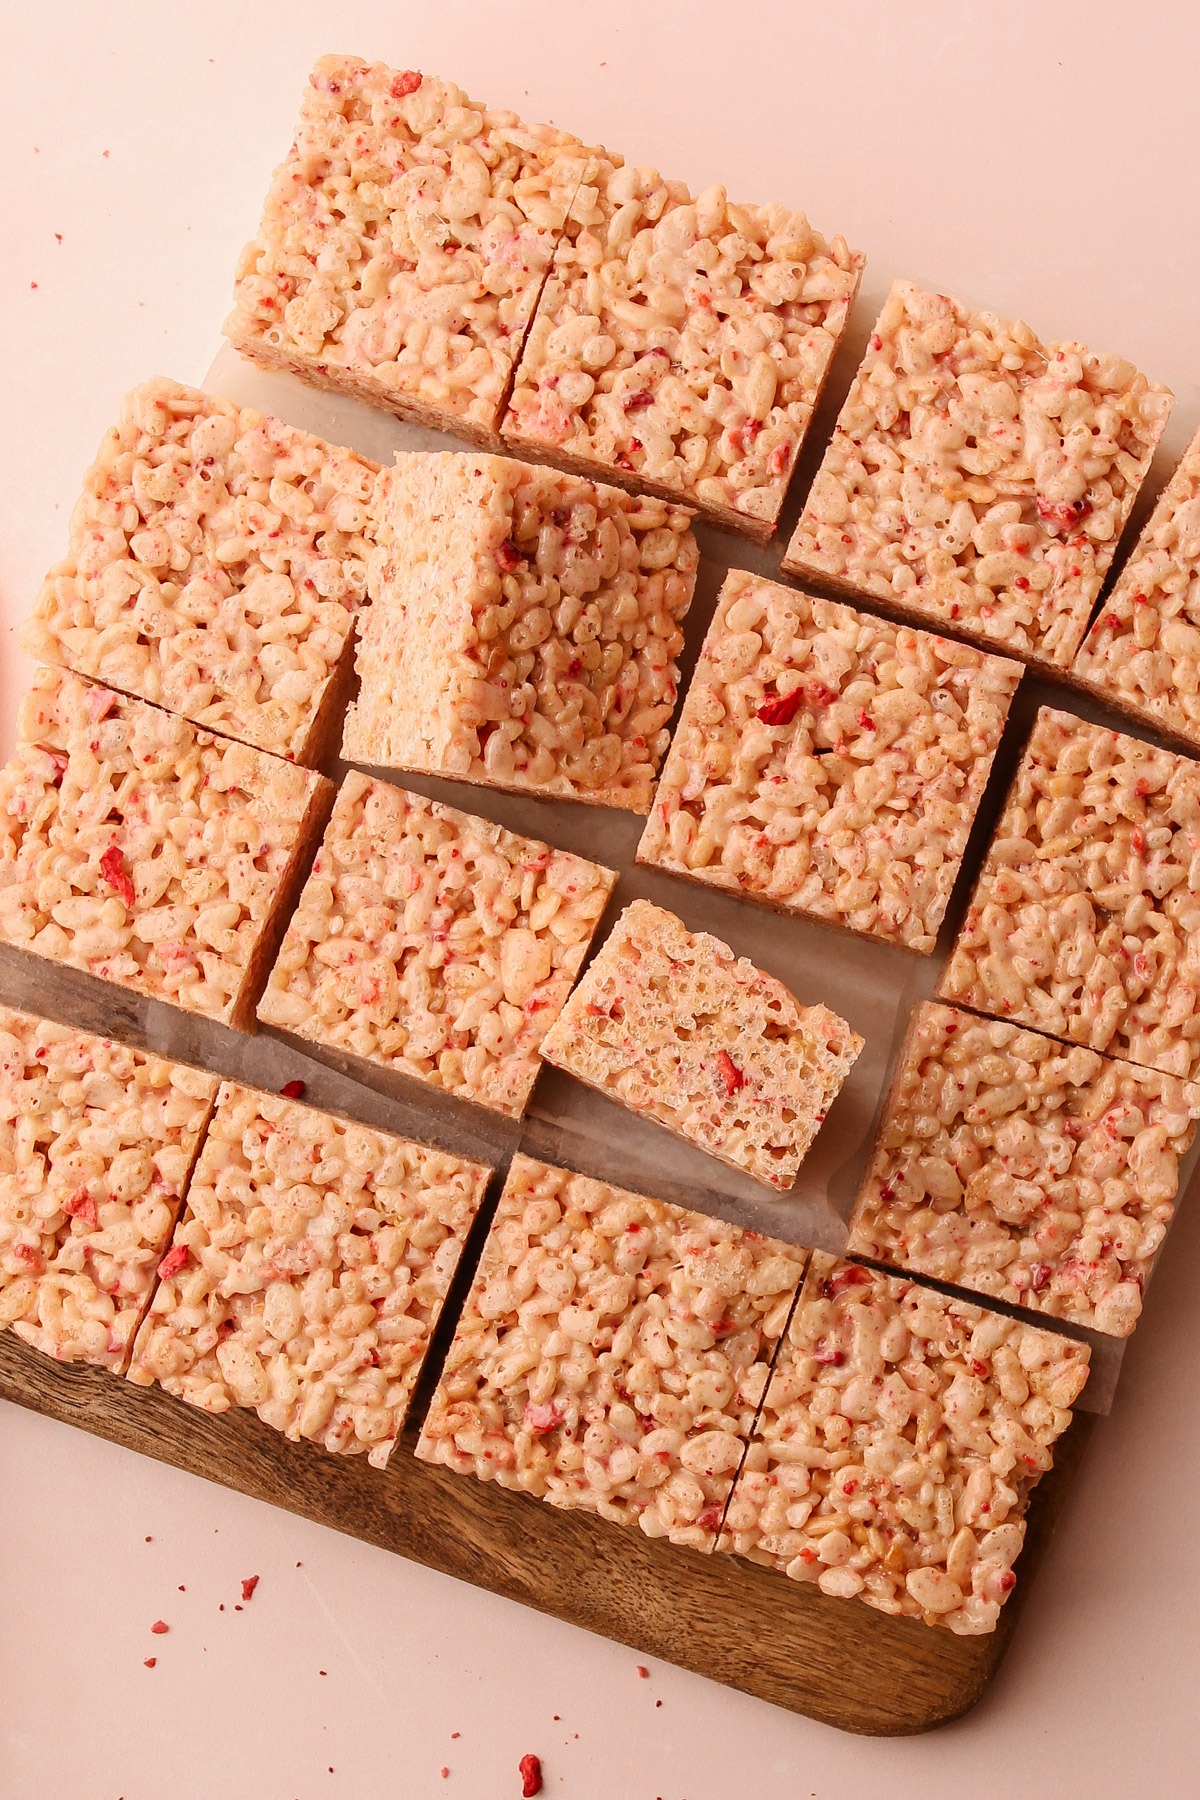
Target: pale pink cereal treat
(145, 851)
(979, 478)
(434, 943)
(96, 1145)
(900, 1438)
(1025, 1169)
(681, 344)
(1085, 921)
(308, 1272)
(523, 629)
(672, 1024)
(403, 244)
(216, 560)
(1142, 654)
(829, 763)
(611, 1354)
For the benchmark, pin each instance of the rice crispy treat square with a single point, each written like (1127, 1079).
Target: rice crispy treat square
(96, 1145)
(1085, 922)
(901, 1436)
(216, 560)
(434, 943)
(1028, 1170)
(611, 1354)
(308, 1273)
(829, 763)
(978, 478)
(681, 344)
(672, 1024)
(523, 629)
(147, 852)
(1142, 655)
(403, 244)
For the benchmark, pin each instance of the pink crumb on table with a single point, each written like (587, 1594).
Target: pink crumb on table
(248, 1586)
(643, 1672)
(159, 1627)
(149, 1662)
(531, 1776)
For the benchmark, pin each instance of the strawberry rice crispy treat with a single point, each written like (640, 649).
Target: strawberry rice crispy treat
(523, 629)
(147, 852)
(96, 1145)
(435, 943)
(829, 763)
(403, 244)
(216, 560)
(681, 344)
(901, 1436)
(1025, 1169)
(308, 1272)
(672, 1024)
(611, 1353)
(978, 478)
(1085, 922)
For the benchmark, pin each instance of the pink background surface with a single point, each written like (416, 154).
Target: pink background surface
(1037, 159)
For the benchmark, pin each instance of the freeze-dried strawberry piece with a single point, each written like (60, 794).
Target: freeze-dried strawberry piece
(112, 867)
(248, 1586)
(99, 703)
(710, 1518)
(159, 1627)
(731, 1075)
(781, 709)
(1065, 514)
(175, 1259)
(531, 1776)
(541, 1419)
(1039, 1275)
(292, 1090)
(407, 82)
(849, 1277)
(508, 557)
(81, 1206)
(149, 1662)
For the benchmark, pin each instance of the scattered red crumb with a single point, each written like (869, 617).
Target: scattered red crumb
(149, 1540)
(456, 1734)
(112, 867)
(292, 1090)
(248, 1587)
(58, 237)
(150, 1662)
(731, 1075)
(322, 1671)
(643, 1672)
(33, 284)
(182, 1589)
(159, 1626)
(173, 1261)
(221, 1608)
(781, 709)
(82, 1206)
(658, 1703)
(531, 1775)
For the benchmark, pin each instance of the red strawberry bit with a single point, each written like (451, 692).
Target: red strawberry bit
(1006, 1581)
(637, 401)
(830, 1358)
(1065, 514)
(731, 1075)
(541, 1419)
(30, 1255)
(710, 1518)
(508, 557)
(1021, 582)
(781, 709)
(159, 1627)
(868, 724)
(292, 1090)
(854, 1276)
(175, 1259)
(112, 867)
(779, 459)
(531, 1776)
(81, 1206)
(404, 84)
(248, 1587)
(1039, 1275)
(150, 1662)
(643, 1672)
(100, 702)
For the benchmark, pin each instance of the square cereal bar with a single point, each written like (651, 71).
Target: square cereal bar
(96, 1145)
(403, 244)
(308, 1272)
(523, 629)
(681, 344)
(1085, 922)
(1142, 654)
(611, 1353)
(979, 479)
(435, 943)
(216, 560)
(829, 763)
(672, 1024)
(901, 1436)
(145, 851)
(1025, 1169)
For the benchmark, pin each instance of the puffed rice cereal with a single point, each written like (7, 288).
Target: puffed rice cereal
(611, 1354)
(980, 478)
(308, 1272)
(901, 1436)
(829, 763)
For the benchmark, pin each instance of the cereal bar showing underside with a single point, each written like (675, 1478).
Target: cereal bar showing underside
(680, 344)
(672, 1024)
(1025, 1169)
(216, 561)
(403, 243)
(979, 479)
(829, 763)
(434, 943)
(611, 1354)
(145, 851)
(96, 1144)
(900, 1438)
(1085, 922)
(523, 629)
(308, 1272)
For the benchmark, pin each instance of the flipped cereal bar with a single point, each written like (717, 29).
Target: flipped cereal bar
(403, 243)
(1085, 922)
(979, 479)
(145, 851)
(829, 763)
(1024, 1169)
(96, 1145)
(308, 1272)
(1142, 654)
(672, 1024)
(611, 1354)
(523, 629)
(900, 1438)
(681, 344)
(435, 943)
(216, 560)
